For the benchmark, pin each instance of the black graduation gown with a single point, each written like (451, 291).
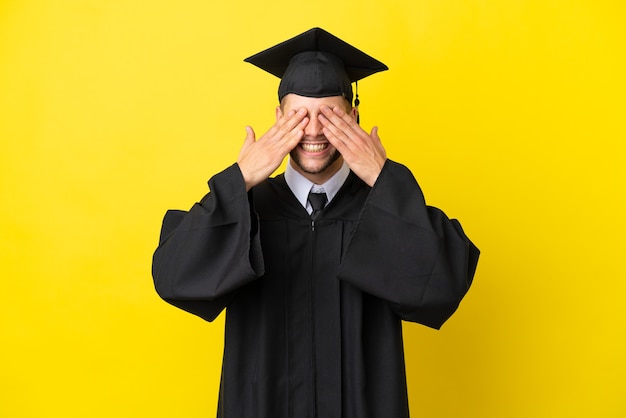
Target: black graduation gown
(313, 318)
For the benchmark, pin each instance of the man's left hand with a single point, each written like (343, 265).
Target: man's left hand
(364, 153)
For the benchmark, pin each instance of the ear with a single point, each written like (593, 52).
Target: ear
(354, 112)
(279, 113)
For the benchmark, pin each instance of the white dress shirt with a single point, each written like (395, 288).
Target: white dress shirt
(300, 186)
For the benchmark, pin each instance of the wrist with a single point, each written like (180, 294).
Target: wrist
(249, 178)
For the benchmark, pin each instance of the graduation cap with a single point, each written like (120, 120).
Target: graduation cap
(316, 64)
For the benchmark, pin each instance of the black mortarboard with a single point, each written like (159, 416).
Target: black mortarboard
(316, 64)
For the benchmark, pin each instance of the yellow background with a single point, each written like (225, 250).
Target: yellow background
(510, 113)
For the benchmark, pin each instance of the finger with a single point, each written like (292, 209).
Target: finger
(284, 141)
(250, 136)
(329, 128)
(337, 138)
(280, 122)
(338, 117)
(285, 117)
(374, 134)
(280, 128)
(292, 132)
(291, 119)
(247, 143)
(295, 135)
(337, 134)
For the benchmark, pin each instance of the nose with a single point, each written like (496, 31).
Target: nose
(313, 128)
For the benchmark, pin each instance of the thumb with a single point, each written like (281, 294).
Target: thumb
(374, 133)
(250, 136)
(247, 143)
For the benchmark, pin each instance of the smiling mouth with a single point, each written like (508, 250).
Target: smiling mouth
(313, 147)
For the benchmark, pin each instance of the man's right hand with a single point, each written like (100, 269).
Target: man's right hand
(259, 159)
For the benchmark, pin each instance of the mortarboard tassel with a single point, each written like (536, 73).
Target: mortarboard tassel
(356, 104)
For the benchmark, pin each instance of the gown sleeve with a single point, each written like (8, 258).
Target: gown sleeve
(407, 253)
(209, 252)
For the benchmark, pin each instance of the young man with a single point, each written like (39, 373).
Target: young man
(316, 267)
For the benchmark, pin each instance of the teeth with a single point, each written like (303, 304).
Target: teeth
(314, 147)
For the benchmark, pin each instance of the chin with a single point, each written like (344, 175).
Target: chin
(315, 167)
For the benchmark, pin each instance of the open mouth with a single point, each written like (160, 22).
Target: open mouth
(313, 147)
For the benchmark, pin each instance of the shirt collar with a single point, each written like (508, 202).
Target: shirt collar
(301, 186)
